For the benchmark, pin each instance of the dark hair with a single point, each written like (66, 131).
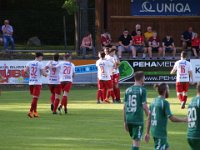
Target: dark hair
(112, 50)
(198, 87)
(87, 34)
(102, 54)
(125, 29)
(161, 88)
(183, 54)
(38, 54)
(138, 75)
(56, 57)
(67, 56)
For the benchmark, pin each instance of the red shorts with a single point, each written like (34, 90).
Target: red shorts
(182, 86)
(66, 86)
(55, 88)
(105, 84)
(35, 90)
(115, 78)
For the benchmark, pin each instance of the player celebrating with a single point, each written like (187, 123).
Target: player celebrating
(54, 83)
(116, 75)
(184, 73)
(193, 134)
(105, 82)
(134, 104)
(158, 116)
(35, 70)
(67, 73)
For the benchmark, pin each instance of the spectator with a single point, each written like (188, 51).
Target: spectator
(7, 30)
(154, 45)
(186, 38)
(137, 27)
(149, 33)
(195, 44)
(106, 40)
(87, 44)
(168, 45)
(125, 43)
(138, 44)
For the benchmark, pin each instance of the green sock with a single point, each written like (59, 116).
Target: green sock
(135, 148)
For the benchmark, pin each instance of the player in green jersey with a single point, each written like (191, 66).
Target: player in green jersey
(134, 104)
(193, 134)
(158, 117)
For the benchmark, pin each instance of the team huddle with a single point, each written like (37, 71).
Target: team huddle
(60, 79)
(135, 102)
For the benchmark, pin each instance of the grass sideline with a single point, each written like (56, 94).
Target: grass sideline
(88, 126)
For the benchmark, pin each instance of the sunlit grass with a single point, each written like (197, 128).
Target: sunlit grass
(88, 126)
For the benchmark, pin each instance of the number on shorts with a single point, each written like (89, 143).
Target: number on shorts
(67, 70)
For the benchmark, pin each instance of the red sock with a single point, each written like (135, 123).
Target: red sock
(111, 93)
(52, 98)
(180, 97)
(185, 98)
(98, 94)
(34, 105)
(105, 93)
(56, 103)
(117, 93)
(64, 102)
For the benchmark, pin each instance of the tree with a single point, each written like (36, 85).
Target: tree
(72, 9)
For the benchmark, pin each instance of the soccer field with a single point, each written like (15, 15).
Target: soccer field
(87, 126)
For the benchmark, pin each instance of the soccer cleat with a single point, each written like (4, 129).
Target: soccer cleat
(30, 114)
(65, 110)
(52, 106)
(36, 114)
(55, 113)
(60, 110)
(183, 105)
(98, 102)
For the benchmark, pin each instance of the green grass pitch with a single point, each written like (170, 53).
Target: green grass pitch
(88, 126)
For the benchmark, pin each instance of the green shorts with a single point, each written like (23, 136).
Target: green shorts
(135, 131)
(194, 144)
(160, 143)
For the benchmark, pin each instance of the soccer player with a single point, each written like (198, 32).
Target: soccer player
(116, 75)
(67, 73)
(134, 104)
(193, 134)
(105, 82)
(35, 70)
(54, 83)
(184, 73)
(158, 116)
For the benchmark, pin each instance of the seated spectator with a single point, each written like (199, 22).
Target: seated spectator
(154, 45)
(138, 44)
(7, 30)
(186, 38)
(148, 34)
(137, 27)
(87, 44)
(195, 44)
(106, 40)
(168, 45)
(125, 43)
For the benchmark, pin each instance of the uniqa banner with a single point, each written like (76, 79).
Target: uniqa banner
(165, 7)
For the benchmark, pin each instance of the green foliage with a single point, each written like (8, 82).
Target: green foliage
(71, 6)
